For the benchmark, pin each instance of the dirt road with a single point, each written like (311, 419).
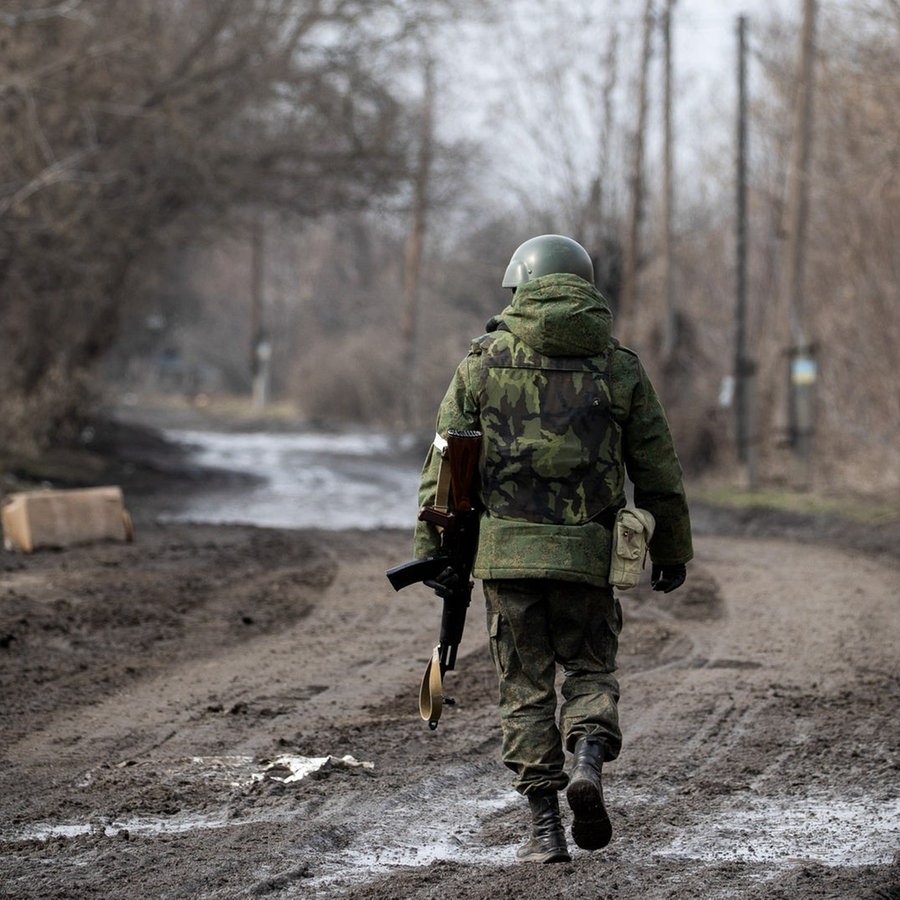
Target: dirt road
(158, 697)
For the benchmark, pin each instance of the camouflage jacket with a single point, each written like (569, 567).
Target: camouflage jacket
(566, 413)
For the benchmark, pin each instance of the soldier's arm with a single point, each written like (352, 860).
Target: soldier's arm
(458, 410)
(652, 464)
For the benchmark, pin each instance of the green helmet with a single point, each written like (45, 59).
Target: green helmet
(548, 254)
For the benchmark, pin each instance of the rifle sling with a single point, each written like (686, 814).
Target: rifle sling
(431, 700)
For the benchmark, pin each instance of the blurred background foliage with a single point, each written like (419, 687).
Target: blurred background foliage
(311, 204)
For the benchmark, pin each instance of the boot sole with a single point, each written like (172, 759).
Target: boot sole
(591, 828)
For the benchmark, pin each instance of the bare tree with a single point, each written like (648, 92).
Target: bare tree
(848, 273)
(128, 124)
(412, 280)
(852, 277)
(636, 213)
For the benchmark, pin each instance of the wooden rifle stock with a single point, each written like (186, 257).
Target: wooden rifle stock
(463, 450)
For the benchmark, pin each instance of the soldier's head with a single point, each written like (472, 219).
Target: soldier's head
(548, 254)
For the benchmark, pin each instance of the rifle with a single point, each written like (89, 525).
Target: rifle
(458, 524)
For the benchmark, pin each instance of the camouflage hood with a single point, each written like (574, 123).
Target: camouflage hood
(559, 315)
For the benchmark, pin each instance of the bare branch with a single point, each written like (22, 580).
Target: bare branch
(68, 9)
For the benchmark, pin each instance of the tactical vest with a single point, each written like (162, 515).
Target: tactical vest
(553, 450)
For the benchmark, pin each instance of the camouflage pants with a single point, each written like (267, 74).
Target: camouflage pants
(534, 626)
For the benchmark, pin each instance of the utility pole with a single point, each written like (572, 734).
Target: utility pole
(802, 365)
(744, 366)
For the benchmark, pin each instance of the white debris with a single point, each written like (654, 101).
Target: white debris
(299, 767)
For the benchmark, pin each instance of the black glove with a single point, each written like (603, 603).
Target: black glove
(444, 584)
(667, 578)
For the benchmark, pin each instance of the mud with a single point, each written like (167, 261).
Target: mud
(158, 697)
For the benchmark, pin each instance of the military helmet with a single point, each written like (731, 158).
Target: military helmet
(548, 254)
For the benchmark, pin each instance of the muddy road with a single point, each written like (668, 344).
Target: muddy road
(159, 699)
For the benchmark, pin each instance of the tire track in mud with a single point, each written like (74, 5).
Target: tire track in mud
(323, 664)
(713, 770)
(750, 722)
(740, 712)
(478, 808)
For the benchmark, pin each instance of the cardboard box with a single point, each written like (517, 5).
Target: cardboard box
(63, 518)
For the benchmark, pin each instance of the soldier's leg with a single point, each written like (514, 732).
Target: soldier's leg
(586, 625)
(586, 621)
(517, 615)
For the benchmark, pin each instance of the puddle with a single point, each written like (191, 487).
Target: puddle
(395, 836)
(402, 842)
(311, 479)
(753, 829)
(826, 830)
(231, 771)
(44, 831)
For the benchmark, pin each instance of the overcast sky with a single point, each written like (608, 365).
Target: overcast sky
(705, 32)
(495, 80)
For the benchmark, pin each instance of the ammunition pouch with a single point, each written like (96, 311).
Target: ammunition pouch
(630, 542)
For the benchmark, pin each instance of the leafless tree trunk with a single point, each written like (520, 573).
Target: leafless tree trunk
(412, 277)
(670, 322)
(635, 217)
(744, 365)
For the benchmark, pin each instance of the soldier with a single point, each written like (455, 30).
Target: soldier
(566, 414)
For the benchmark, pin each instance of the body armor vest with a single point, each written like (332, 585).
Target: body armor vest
(553, 450)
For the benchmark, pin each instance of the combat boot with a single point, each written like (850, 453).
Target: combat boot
(548, 838)
(591, 828)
